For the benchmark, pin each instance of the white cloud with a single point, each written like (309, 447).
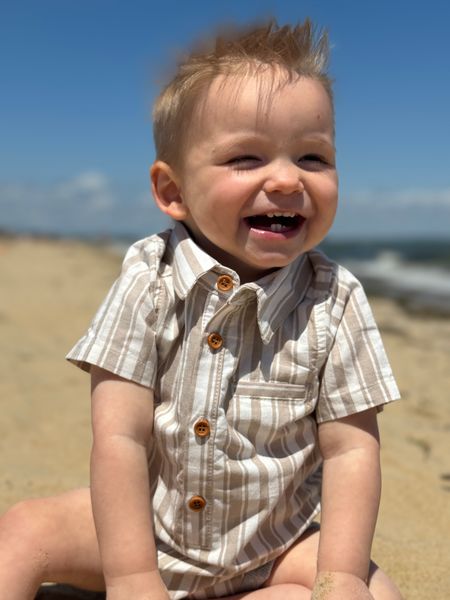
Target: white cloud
(425, 198)
(88, 203)
(91, 187)
(395, 199)
(386, 213)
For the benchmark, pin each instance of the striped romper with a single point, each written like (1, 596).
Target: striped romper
(242, 375)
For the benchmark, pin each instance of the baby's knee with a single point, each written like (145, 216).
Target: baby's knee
(22, 528)
(19, 517)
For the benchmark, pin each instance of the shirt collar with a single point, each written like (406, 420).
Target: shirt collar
(277, 294)
(190, 262)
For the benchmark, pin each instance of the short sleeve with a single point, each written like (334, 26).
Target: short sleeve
(121, 337)
(356, 375)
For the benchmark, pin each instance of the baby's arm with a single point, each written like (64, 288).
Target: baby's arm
(122, 417)
(350, 499)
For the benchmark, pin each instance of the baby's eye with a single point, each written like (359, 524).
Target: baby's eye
(245, 161)
(313, 161)
(313, 158)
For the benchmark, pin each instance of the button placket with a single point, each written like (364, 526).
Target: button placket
(198, 530)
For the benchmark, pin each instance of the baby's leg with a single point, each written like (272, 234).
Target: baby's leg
(298, 566)
(49, 539)
(294, 573)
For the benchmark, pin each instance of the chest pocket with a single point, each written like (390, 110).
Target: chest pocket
(273, 418)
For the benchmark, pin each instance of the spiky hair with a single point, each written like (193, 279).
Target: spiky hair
(296, 51)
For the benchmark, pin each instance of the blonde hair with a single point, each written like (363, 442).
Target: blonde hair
(295, 51)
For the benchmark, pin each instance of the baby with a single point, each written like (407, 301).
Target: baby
(236, 371)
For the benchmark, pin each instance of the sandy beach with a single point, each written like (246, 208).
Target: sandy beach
(50, 289)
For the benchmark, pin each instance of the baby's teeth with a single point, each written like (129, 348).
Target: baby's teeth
(280, 214)
(276, 227)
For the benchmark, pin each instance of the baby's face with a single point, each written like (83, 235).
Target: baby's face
(258, 184)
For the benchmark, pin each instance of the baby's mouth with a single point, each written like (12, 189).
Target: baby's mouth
(276, 222)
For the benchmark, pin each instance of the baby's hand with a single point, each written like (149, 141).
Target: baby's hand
(335, 585)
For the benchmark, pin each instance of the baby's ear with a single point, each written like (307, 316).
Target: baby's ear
(166, 191)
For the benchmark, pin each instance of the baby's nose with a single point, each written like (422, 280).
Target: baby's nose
(284, 178)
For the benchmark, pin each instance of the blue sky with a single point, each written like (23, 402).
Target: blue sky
(77, 78)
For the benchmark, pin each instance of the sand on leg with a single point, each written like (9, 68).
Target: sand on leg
(49, 539)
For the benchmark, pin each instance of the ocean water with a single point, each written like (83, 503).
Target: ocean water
(415, 272)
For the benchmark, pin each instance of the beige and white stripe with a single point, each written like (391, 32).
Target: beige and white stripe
(300, 346)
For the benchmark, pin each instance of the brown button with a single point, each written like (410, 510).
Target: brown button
(215, 340)
(197, 503)
(202, 428)
(224, 283)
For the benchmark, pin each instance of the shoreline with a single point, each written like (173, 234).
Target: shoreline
(52, 289)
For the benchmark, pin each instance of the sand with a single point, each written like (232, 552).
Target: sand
(50, 290)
